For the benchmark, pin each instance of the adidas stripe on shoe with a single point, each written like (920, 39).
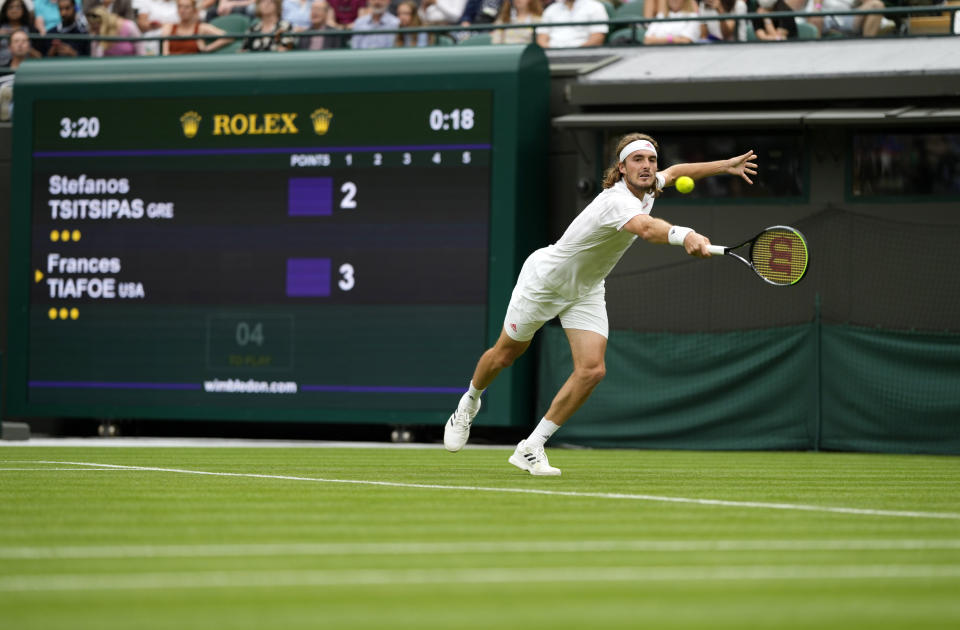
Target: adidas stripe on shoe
(533, 460)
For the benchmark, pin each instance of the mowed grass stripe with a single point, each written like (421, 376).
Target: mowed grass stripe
(562, 493)
(496, 575)
(466, 547)
(369, 557)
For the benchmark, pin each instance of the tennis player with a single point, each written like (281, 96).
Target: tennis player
(566, 280)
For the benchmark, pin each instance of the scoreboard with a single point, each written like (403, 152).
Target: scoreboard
(326, 237)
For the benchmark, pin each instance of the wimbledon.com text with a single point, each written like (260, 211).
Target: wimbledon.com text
(250, 386)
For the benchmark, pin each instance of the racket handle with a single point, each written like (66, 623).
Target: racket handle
(716, 250)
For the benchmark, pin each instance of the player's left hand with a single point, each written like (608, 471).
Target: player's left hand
(743, 165)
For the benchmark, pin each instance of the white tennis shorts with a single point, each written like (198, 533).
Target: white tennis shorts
(532, 305)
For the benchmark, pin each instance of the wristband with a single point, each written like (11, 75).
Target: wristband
(677, 234)
(669, 39)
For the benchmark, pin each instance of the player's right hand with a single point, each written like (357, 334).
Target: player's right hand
(696, 245)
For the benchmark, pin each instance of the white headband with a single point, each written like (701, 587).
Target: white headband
(637, 145)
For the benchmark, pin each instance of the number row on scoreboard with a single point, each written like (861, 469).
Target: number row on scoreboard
(392, 158)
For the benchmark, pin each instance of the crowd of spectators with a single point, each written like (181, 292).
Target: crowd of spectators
(27, 27)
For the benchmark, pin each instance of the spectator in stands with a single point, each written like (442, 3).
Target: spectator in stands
(69, 25)
(481, 11)
(407, 13)
(246, 7)
(102, 22)
(141, 16)
(443, 11)
(378, 19)
(319, 21)
(685, 32)
(15, 15)
(650, 8)
(191, 24)
(343, 13)
(269, 32)
(149, 15)
(723, 30)
(161, 12)
(123, 8)
(297, 12)
(573, 36)
(807, 6)
(149, 18)
(46, 13)
(774, 29)
(19, 48)
(208, 9)
(865, 25)
(518, 12)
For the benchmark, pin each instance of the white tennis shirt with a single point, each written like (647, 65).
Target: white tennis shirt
(580, 11)
(593, 243)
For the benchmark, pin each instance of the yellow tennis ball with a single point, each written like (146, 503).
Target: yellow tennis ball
(684, 184)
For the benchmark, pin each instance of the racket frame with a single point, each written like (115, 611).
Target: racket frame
(718, 250)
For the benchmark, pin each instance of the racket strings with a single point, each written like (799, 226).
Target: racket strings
(780, 255)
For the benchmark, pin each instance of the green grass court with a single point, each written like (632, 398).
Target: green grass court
(426, 539)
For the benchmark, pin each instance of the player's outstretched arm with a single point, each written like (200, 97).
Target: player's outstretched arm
(654, 230)
(741, 166)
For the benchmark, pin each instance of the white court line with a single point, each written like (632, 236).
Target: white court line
(495, 575)
(466, 547)
(160, 442)
(57, 469)
(558, 493)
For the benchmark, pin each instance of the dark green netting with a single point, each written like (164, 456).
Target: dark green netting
(799, 387)
(890, 391)
(743, 390)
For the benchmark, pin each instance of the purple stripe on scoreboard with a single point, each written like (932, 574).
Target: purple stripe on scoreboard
(310, 196)
(380, 389)
(308, 277)
(260, 151)
(110, 385)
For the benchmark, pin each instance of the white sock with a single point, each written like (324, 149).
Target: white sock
(542, 433)
(471, 399)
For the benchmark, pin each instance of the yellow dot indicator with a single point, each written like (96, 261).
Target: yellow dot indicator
(76, 235)
(74, 313)
(52, 313)
(65, 235)
(55, 236)
(37, 275)
(64, 313)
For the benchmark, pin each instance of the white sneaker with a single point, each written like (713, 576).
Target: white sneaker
(457, 430)
(533, 460)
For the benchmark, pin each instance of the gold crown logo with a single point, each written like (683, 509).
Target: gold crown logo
(191, 123)
(321, 120)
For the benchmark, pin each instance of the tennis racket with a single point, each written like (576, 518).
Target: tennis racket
(778, 255)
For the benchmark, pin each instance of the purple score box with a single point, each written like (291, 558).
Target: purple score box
(308, 277)
(310, 196)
